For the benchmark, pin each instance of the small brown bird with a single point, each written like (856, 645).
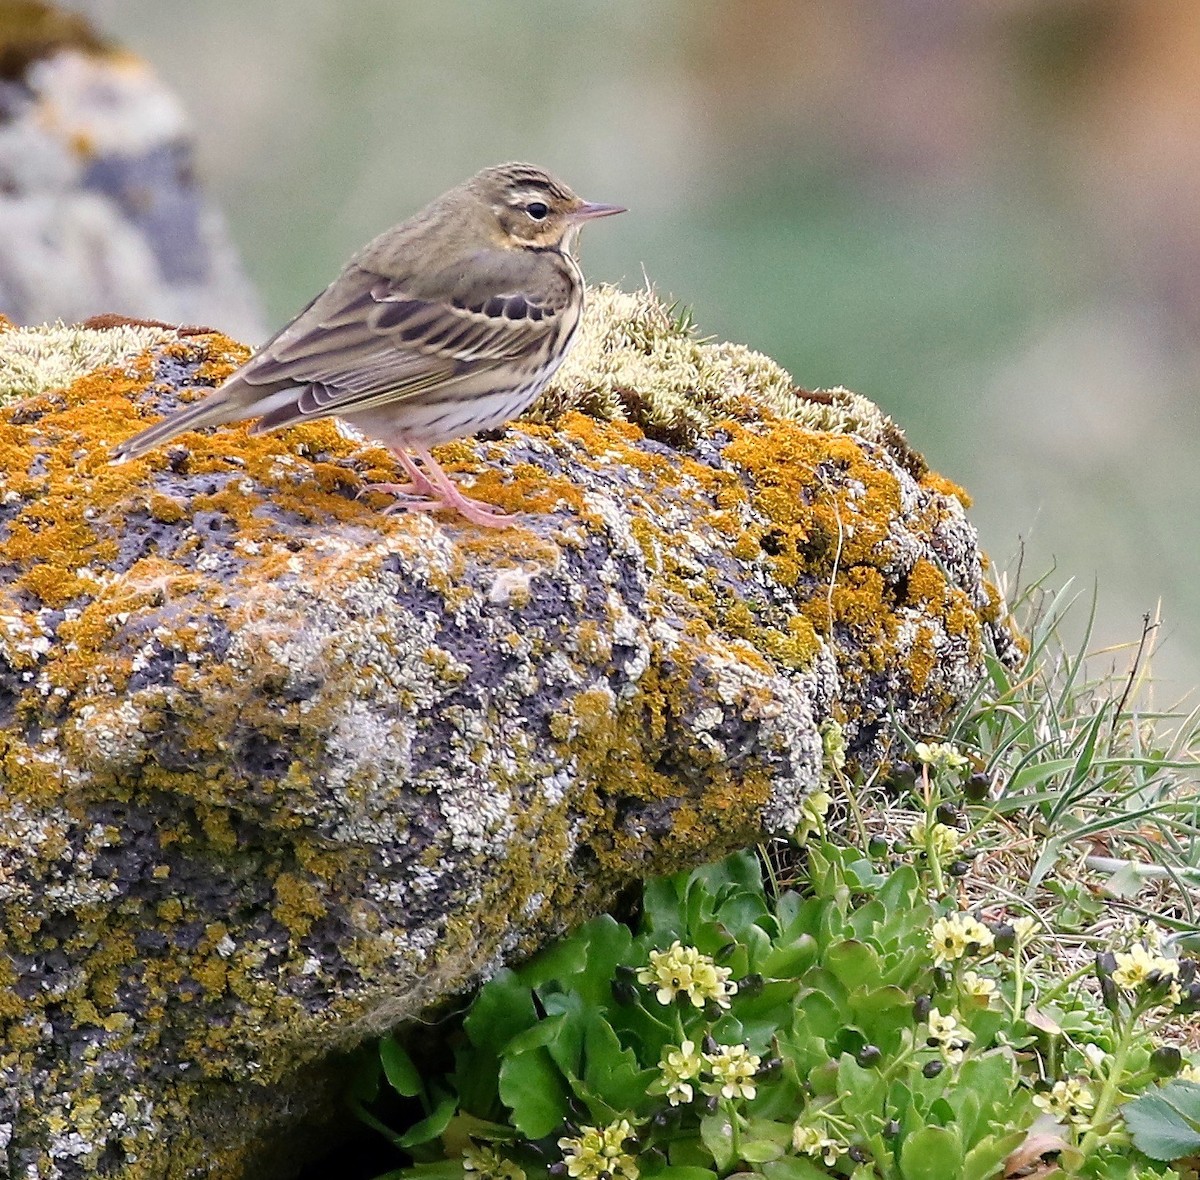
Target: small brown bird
(447, 324)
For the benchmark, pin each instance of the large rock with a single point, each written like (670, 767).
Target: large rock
(100, 209)
(280, 770)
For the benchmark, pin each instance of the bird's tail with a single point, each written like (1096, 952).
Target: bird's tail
(213, 410)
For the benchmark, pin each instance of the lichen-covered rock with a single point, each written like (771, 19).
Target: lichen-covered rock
(101, 210)
(277, 769)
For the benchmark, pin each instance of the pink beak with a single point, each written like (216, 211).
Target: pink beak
(590, 209)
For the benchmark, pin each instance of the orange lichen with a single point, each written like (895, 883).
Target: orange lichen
(749, 577)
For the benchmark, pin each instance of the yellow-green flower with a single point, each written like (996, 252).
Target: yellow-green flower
(809, 1141)
(1025, 928)
(813, 809)
(1070, 1100)
(977, 987)
(484, 1162)
(940, 756)
(684, 971)
(957, 935)
(598, 1150)
(950, 1038)
(833, 746)
(945, 840)
(678, 1068)
(733, 1068)
(1136, 965)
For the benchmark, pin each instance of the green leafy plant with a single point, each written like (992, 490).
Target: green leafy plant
(927, 984)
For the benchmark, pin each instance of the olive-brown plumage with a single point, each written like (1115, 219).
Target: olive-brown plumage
(449, 323)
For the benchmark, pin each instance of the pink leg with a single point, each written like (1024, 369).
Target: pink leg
(418, 487)
(476, 511)
(431, 488)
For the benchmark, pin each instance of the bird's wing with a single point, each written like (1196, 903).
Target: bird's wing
(369, 339)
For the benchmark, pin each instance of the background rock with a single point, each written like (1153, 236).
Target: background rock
(280, 770)
(99, 208)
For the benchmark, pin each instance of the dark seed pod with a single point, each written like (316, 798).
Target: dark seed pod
(933, 1068)
(869, 1055)
(891, 1128)
(750, 986)
(1106, 964)
(922, 1006)
(558, 1169)
(903, 776)
(712, 1104)
(1110, 994)
(1004, 937)
(959, 868)
(948, 814)
(624, 993)
(1187, 971)
(1166, 1061)
(977, 787)
(769, 1068)
(710, 1043)
(941, 979)
(857, 1154)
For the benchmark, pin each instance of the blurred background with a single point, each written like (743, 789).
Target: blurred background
(983, 214)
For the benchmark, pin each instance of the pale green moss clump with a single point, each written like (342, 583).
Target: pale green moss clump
(52, 356)
(636, 360)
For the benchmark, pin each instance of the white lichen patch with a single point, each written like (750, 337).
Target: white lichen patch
(634, 358)
(51, 356)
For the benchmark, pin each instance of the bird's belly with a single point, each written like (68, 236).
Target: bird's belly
(438, 418)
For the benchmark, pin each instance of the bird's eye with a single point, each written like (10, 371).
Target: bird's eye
(538, 210)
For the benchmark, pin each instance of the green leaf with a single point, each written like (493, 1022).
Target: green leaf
(793, 1167)
(790, 960)
(760, 1151)
(611, 1070)
(431, 1126)
(398, 1068)
(533, 1088)
(1165, 1123)
(662, 908)
(854, 963)
(690, 1154)
(716, 1132)
(881, 1013)
(985, 1160)
(502, 1009)
(932, 1153)
(671, 1172)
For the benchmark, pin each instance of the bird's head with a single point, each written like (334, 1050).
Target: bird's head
(530, 209)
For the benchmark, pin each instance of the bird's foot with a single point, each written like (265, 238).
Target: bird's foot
(414, 490)
(412, 498)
